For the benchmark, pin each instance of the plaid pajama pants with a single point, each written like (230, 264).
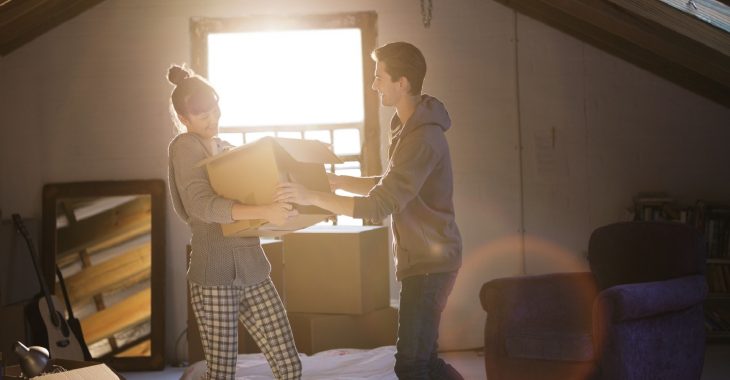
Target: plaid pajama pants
(218, 308)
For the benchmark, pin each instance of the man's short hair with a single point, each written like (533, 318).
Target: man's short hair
(402, 60)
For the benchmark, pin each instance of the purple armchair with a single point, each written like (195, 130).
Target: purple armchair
(636, 315)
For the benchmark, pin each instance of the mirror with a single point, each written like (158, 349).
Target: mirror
(108, 239)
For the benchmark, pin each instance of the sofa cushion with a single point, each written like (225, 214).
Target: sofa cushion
(554, 345)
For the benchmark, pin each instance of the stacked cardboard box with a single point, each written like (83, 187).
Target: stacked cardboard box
(337, 288)
(318, 332)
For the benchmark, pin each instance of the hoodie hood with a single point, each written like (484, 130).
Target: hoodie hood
(430, 111)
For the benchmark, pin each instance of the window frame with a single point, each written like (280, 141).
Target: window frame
(369, 156)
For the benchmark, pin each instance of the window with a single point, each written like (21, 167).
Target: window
(288, 78)
(304, 77)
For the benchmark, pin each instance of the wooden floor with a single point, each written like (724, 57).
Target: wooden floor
(471, 366)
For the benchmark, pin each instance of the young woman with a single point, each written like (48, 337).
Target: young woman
(228, 276)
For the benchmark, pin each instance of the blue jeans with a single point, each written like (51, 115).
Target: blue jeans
(422, 299)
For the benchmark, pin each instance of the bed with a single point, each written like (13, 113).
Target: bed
(338, 364)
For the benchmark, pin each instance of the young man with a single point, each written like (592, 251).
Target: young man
(416, 189)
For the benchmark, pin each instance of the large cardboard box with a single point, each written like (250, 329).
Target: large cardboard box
(319, 332)
(250, 174)
(246, 345)
(337, 269)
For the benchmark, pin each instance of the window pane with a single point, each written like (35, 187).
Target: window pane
(294, 77)
(343, 220)
(347, 141)
(323, 136)
(232, 138)
(351, 168)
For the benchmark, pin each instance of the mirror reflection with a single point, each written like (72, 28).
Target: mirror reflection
(104, 253)
(108, 239)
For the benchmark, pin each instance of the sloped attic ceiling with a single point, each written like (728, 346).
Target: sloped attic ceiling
(23, 20)
(685, 42)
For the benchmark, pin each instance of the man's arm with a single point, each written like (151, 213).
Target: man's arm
(355, 185)
(295, 193)
(398, 187)
(337, 204)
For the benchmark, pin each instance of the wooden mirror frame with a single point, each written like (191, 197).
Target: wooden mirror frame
(156, 190)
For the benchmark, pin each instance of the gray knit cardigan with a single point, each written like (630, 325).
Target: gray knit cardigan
(215, 260)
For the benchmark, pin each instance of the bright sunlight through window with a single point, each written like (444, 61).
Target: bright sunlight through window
(294, 84)
(286, 78)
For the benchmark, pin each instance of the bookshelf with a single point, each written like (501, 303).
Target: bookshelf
(713, 220)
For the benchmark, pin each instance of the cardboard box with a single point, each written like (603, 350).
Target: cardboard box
(319, 332)
(246, 345)
(379, 327)
(337, 269)
(250, 174)
(72, 371)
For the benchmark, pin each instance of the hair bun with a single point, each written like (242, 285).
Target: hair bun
(176, 74)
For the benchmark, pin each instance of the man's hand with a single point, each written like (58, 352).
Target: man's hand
(293, 193)
(279, 213)
(334, 181)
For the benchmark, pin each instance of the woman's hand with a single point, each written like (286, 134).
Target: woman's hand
(293, 193)
(278, 213)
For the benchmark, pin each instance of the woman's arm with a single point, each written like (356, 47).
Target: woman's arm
(191, 182)
(276, 213)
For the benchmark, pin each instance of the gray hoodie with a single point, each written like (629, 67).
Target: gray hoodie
(417, 189)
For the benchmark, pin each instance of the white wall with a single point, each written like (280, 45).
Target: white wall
(618, 130)
(88, 101)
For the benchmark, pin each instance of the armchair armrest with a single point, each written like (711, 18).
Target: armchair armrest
(651, 327)
(646, 299)
(545, 317)
(556, 301)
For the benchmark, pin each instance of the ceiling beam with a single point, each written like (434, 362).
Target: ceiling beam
(612, 25)
(21, 21)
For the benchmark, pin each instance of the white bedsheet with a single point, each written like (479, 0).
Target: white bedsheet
(339, 364)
